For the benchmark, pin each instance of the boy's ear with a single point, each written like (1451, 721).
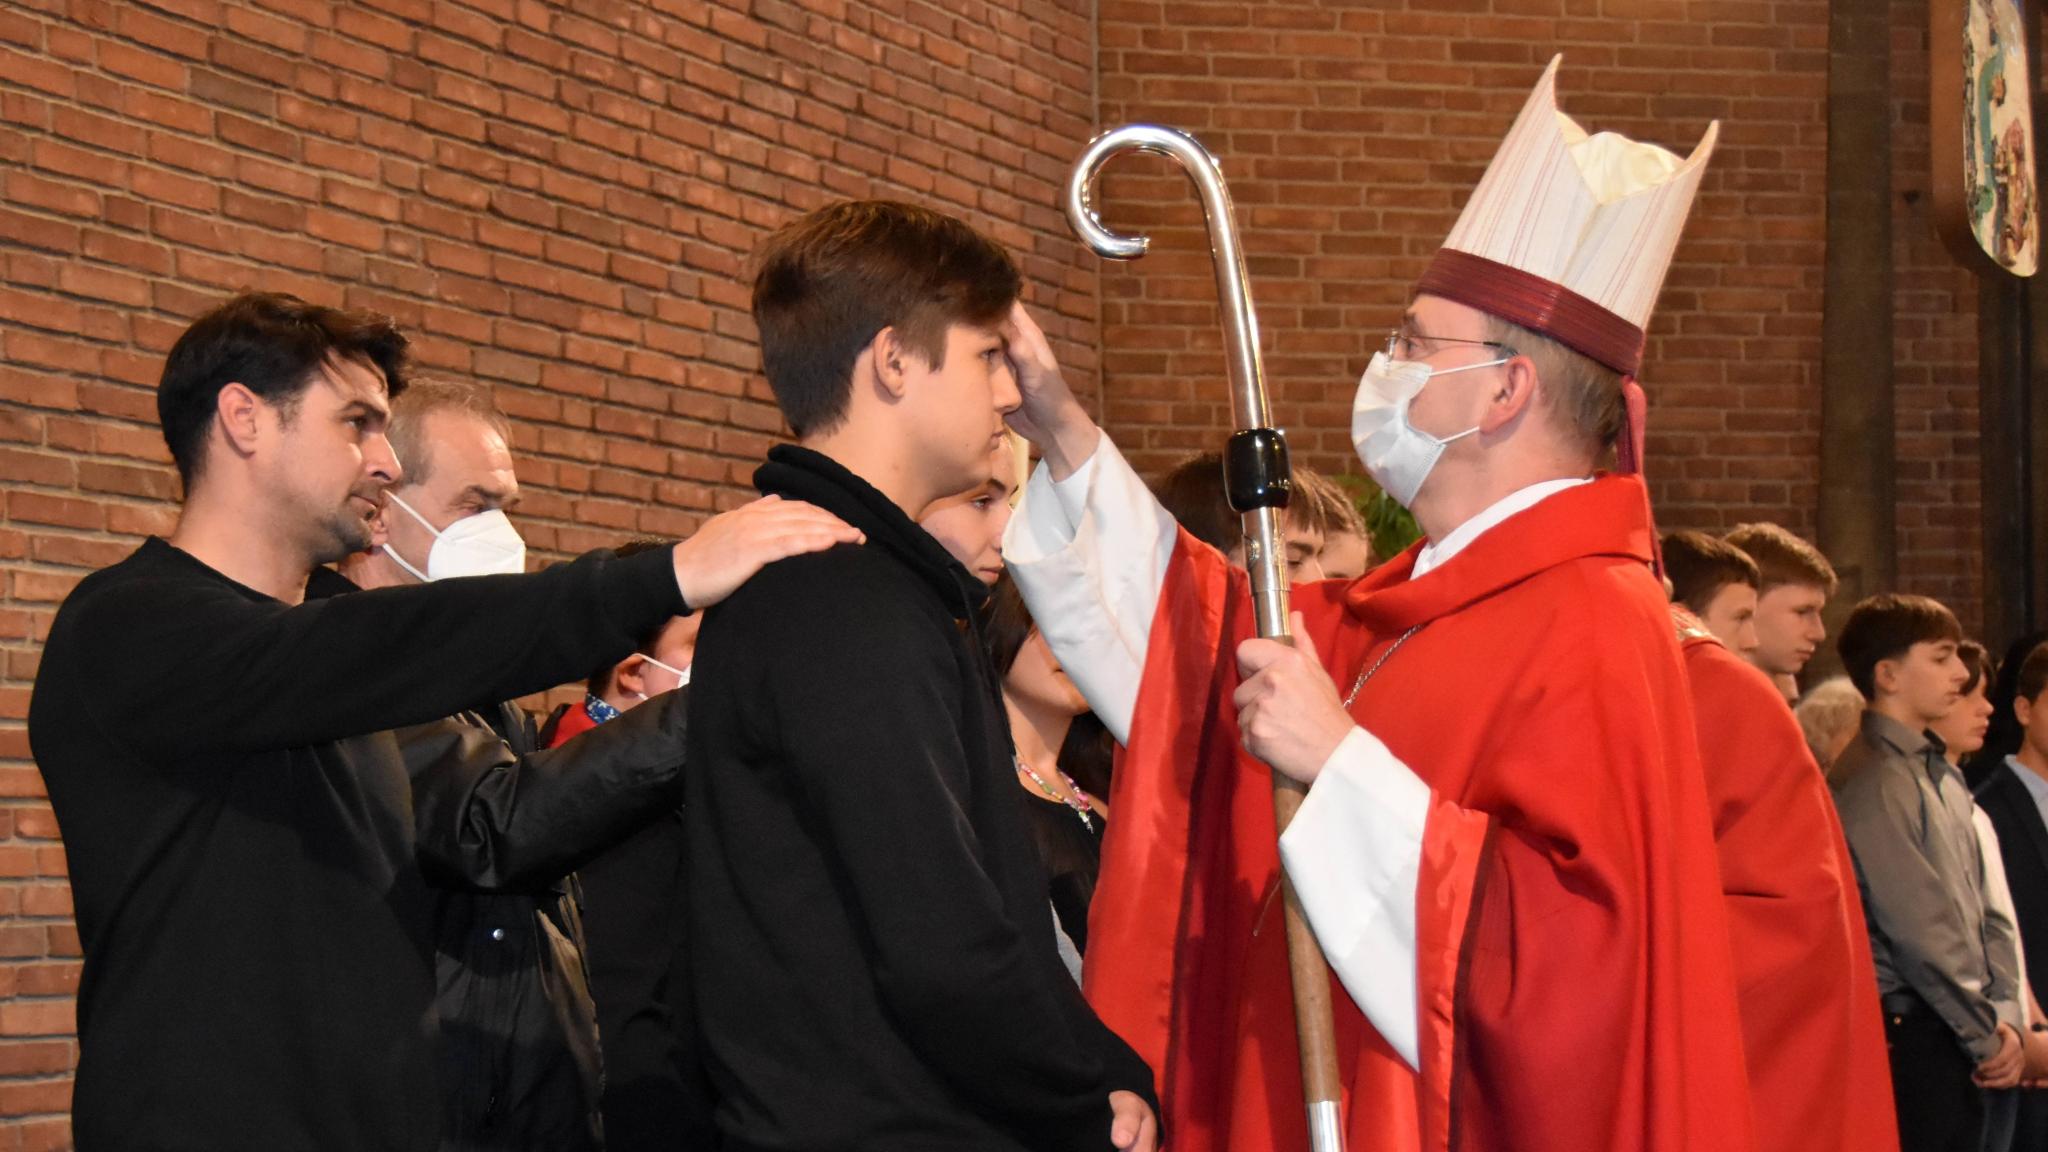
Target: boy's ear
(891, 359)
(1885, 676)
(630, 675)
(2023, 711)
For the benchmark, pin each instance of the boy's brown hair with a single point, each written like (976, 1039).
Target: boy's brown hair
(2034, 674)
(1194, 495)
(1885, 627)
(1782, 558)
(1323, 503)
(1699, 566)
(827, 283)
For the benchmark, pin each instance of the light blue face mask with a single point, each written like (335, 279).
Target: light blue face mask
(1397, 454)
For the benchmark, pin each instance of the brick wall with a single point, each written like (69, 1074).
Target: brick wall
(555, 197)
(1934, 366)
(1351, 137)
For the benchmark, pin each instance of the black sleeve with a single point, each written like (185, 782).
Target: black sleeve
(488, 817)
(197, 663)
(655, 1090)
(876, 757)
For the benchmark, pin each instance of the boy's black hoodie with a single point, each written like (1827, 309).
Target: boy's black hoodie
(873, 949)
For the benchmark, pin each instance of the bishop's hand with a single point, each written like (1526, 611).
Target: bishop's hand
(1050, 417)
(1288, 711)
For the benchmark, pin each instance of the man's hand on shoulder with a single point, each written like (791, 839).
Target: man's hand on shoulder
(732, 546)
(1050, 417)
(1132, 1126)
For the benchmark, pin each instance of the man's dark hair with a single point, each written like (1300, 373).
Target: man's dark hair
(599, 681)
(1782, 558)
(1700, 566)
(1885, 627)
(2034, 675)
(826, 284)
(272, 344)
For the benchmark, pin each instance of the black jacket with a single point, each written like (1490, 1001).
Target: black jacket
(520, 1068)
(2023, 846)
(871, 939)
(240, 828)
(656, 1096)
(519, 1057)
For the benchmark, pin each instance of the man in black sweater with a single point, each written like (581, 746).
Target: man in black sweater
(872, 944)
(258, 965)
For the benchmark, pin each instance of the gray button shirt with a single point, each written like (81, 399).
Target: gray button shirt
(1906, 812)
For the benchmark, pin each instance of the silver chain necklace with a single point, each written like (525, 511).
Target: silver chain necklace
(1075, 798)
(1367, 672)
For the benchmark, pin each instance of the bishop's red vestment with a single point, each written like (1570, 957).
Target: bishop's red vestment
(1570, 956)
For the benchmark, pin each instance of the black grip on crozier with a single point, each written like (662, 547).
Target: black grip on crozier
(1255, 471)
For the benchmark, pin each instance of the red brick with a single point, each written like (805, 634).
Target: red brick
(37, 1017)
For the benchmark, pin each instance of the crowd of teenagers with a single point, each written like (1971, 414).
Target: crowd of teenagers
(924, 802)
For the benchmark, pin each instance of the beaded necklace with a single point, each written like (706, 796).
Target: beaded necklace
(1075, 798)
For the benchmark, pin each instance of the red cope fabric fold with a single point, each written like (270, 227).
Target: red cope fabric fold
(1813, 1031)
(1573, 974)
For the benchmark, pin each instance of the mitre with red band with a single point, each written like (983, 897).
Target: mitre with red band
(1569, 235)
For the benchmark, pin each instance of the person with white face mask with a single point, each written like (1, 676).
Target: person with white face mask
(1493, 725)
(448, 518)
(520, 1054)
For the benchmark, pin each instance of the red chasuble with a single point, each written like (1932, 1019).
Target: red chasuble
(1811, 1025)
(1572, 974)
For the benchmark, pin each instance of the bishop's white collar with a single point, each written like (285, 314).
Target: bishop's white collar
(1434, 554)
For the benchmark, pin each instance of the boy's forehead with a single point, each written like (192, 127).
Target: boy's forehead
(1796, 590)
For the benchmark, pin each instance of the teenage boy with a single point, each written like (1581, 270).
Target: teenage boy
(873, 950)
(239, 820)
(1717, 582)
(1951, 1002)
(1796, 583)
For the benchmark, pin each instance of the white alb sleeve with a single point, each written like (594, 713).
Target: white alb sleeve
(1090, 554)
(1354, 852)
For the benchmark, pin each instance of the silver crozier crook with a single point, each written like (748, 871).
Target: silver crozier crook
(1256, 477)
